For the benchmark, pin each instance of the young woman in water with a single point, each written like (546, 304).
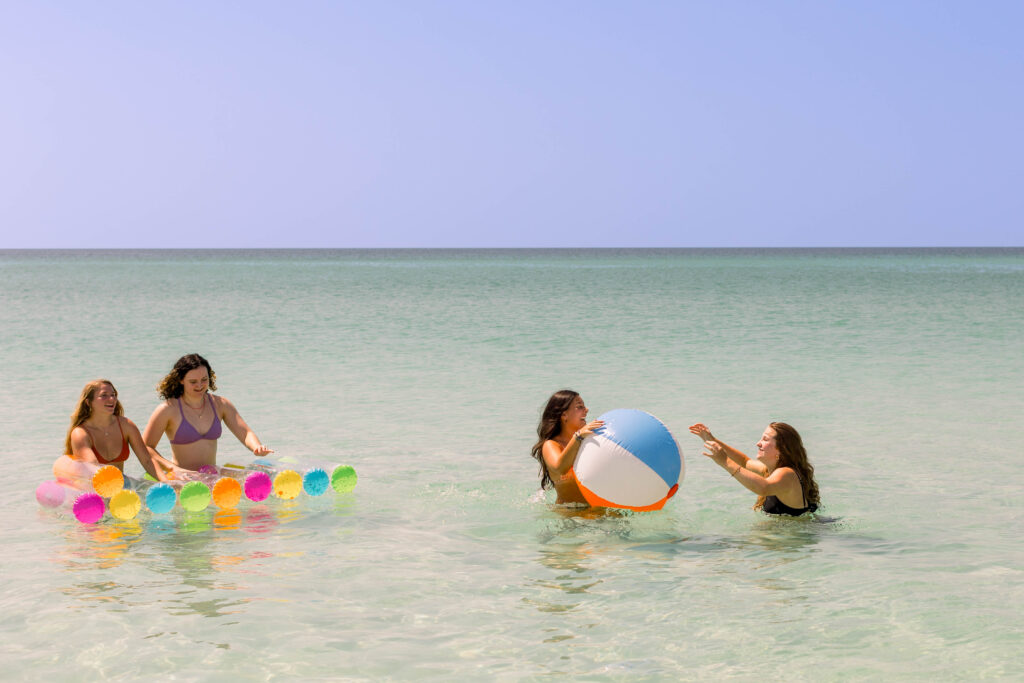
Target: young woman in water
(781, 476)
(191, 416)
(563, 426)
(101, 434)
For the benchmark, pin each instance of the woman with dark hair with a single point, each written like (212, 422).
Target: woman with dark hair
(563, 426)
(100, 433)
(781, 476)
(191, 416)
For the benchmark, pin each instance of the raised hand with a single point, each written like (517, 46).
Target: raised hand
(701, 430)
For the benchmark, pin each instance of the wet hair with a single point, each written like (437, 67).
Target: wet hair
(172, 386)
(83, 409)
(793, 456)
(550, 425)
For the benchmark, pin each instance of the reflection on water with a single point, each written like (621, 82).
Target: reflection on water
(205, 554)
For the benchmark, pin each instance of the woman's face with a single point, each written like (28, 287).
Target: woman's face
(576, 416)
(196, 382)
(104, 400)
(767, 451)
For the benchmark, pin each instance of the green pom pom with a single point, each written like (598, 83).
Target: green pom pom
(194, 496)
(343, 478)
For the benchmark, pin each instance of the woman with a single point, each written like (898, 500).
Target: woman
(563, 426)
(191, 416)
(100, 433)
(782, 477)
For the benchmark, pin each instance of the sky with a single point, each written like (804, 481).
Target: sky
(564, 123)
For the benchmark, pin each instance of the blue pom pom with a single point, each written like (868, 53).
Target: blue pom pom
(315, 481)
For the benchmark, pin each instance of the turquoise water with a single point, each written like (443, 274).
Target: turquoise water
(426, 371)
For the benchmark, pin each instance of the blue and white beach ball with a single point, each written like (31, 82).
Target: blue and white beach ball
(632, 462)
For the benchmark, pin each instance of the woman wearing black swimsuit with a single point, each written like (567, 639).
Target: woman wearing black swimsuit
(781, 476)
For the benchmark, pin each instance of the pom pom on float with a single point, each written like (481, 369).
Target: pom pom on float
(125, 504)
(88, 508)
(632, 462)
(226, 493)
(258, 486)
(161, 498)
(195, 496)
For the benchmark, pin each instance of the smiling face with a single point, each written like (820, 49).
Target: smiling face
(767, 450)
(104, 400)
(195, 383)
(575, 417)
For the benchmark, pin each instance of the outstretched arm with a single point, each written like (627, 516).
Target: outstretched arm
(717, 446)
(773, 484)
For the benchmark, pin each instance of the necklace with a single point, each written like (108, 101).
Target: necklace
(200, 410)
(105, 430)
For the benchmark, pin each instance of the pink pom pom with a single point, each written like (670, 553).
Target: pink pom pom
(88, 508)
(258, 486)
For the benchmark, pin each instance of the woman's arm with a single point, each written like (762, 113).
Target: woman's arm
(155, 428)
(734, 454)
(151, 461)
(560, 460)
(81, 446)
(777, 483)
(242, 431)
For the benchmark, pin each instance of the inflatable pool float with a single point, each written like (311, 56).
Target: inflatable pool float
(90, 490)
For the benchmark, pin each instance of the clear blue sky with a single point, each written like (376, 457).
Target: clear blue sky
(489, 124)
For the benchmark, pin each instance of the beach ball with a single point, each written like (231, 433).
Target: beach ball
(632, 462)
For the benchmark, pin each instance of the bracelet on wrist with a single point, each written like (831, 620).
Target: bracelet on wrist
(578, 437)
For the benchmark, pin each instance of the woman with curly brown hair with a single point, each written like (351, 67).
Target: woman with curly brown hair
(191, 416)
(781, 476)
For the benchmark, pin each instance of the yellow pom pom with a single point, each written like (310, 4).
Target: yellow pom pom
(287, 484)
(125, 504)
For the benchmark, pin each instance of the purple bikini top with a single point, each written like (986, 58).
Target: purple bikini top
(188, 434)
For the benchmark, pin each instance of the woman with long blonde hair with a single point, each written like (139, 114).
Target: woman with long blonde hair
(100, 433)
(782, 476)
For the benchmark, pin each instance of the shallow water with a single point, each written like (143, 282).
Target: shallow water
(426, 371)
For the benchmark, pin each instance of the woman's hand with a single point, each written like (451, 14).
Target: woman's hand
(261, 449)
(701, 430)
(590, 428)
(715, 451)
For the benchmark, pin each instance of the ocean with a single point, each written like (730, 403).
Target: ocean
(426, 370)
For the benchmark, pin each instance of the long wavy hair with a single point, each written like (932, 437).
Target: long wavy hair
(793, 455)
(550, 425)
(172, 386)
(83, 409)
